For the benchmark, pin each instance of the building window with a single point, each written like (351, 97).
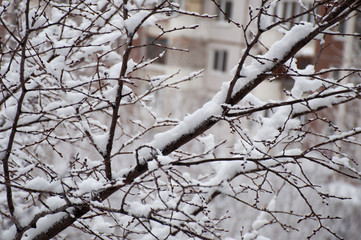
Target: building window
(190, 5)
(194, 6)
(304, 61)
(341, 27)
(358, 23)
(287, 83)
(220, 60)
(226, 6)
(290, 9)
(155, 47)
(358, 28)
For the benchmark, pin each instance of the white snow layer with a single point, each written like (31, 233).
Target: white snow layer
(214, 107)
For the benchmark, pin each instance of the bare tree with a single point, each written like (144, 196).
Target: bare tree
(83, 153)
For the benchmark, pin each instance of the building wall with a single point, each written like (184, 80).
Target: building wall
(219, 35)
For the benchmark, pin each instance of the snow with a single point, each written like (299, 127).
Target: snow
(139, 209)
(10, 112)
(293, 152)
(89, 185)
(266, 20)
(344, 134)
(260, 222)
(101, 4)
(186, 176)
(5, 3)
(272, 204)
(126, 92)
(341, 161)
(214, 108)
(209, 144)
(62, 48)
(152, 165)
(277, 51)
(43, 184)
(101, 140)
(54, 202)
(101, 225)
(9, 233)
(346, 190)
(158, 80)
(263, 217)
(37, 21)
(252, 100)
(164, 160)
(271, 126)
(251, 236)
(282, 47)
(134, 21)
(305, 84)
(111, 93)
(43, 224)
(53, 105)
(74, 97)
(66, 111)
(191, 122)
(25, 169)
(322, 101)
(56, 66)
(99, 44)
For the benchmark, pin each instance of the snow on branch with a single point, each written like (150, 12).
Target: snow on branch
(90, 140)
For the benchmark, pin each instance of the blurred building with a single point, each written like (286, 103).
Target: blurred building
(216, 46)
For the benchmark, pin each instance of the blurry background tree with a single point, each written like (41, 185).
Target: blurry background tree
(90, 149)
